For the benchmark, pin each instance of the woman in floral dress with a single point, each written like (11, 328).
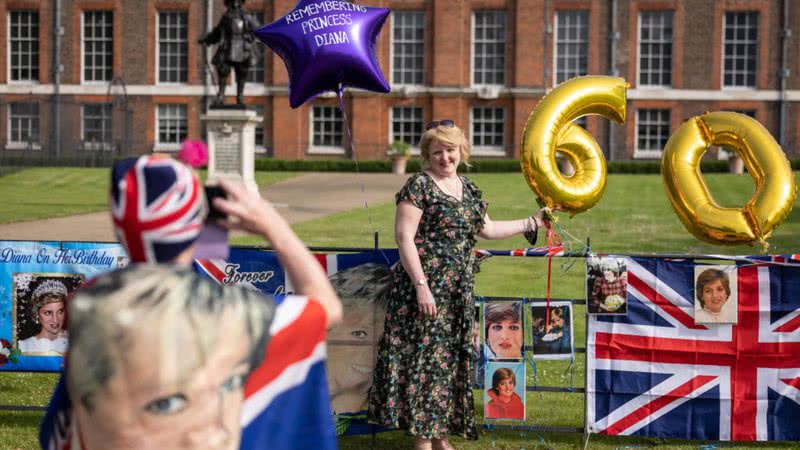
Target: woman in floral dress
(422, 376)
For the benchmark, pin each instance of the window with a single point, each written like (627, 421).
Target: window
(487, 130)
(23, 124)
(327, 127)
(655, 48)
(96, 130)
(259, 109)
(173, 47)
(489, 47)
(24, 48)
(407, 47)
(256, 72)
(98, 45)
(652, 132)
(407, 124)
(171, 121)
(572, 45)
(741, 49)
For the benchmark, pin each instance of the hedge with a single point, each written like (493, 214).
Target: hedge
(477, 166)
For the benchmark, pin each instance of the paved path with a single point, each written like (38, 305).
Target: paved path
(301, 198)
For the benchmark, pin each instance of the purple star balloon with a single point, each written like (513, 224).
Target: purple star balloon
(325, 43)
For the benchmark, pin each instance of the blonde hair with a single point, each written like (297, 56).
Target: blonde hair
(163, 301)
(449, 136)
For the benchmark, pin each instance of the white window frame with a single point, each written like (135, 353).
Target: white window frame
(83, 47)
(555, 43)
(169, 146)
(322, 149)
(8, 48)
(415, 150)
(158, 48)
(23, 145)
(487, 150)
(722, 51)
(392, 43)
(649, 153)
(639, 51)
(94, 145)
(473, 56)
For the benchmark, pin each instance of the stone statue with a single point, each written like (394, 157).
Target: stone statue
(237, 48)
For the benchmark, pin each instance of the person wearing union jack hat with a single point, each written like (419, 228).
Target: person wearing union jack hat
(159, 210)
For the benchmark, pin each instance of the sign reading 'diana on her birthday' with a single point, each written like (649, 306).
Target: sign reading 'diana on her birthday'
(47, 255)
(314, 20)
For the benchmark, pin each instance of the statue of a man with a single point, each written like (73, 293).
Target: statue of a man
(237, 49)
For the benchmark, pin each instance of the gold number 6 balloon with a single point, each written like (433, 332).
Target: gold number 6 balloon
(775, 188)
(550, 128)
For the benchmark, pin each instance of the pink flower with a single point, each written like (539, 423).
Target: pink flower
(193, 153)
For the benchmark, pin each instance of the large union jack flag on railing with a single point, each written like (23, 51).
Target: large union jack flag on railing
(656, 373)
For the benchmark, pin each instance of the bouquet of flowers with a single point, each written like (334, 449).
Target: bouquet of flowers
(7, 353)
(614, 302)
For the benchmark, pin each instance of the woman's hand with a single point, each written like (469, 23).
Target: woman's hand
(541, 215)
(246, 210)
(425, 302)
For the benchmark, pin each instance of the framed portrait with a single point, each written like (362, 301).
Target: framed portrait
(352, 344)
(503, 331)
(39, 303)
(606, 285)
(552, 338)
(715, 294)
(504, 391)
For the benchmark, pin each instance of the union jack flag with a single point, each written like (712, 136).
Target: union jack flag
(287, 403)
(157, 206)
(656, 373)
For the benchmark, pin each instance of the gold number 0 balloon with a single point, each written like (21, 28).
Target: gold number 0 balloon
(774, 182)
(550, 128)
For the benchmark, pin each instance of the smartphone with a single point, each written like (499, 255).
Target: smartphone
(213, 192)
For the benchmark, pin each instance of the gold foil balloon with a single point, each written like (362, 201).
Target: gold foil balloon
(550, 129)
(775, 188)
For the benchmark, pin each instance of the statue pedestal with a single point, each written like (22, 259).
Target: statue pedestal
(231, 137)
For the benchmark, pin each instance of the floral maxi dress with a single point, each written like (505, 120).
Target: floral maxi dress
(422, 374)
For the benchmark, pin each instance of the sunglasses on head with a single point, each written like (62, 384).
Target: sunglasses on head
(447, 123)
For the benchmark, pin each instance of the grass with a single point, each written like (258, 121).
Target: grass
(634, 216)
(40, 193)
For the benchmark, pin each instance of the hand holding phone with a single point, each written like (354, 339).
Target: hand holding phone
(213, 192)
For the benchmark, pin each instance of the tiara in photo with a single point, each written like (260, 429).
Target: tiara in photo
(49, 287)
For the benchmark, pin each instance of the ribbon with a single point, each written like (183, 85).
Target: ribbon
(553, 241)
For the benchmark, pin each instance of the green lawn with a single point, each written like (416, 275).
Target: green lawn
(634, 216)
(40, 193)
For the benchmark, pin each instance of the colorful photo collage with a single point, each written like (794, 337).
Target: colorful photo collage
(712, 294)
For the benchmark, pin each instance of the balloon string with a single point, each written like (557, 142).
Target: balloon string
(339, 93)
(553, 240)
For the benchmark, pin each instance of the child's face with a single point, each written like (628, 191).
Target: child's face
(506, 387)
(505, 339)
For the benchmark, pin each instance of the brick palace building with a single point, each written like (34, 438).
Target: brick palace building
(129, 76)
